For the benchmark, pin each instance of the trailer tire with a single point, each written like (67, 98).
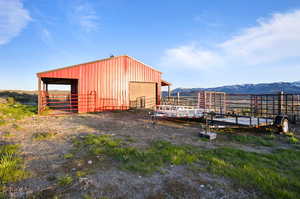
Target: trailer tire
(285, 125)
(282, 123)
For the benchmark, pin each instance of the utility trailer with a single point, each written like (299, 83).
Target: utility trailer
(235, 109)
(191, 112)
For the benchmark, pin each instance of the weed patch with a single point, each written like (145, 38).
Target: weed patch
(251, 139)
(15, 111)
(159, 154)
(65, 180)
(11, 166)
(293, 140)
(7, 134)
(275, 175)
(68, 155)
(43, 136)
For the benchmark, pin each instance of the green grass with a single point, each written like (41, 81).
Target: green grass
(293, 140)
(15, 111)
(81, 173)
(43, 136)
(68, 155)
(252, 139)
(11, 166)
(65, 180)
(7, 134)
(275, 175)
(2, 121)
(159, 154)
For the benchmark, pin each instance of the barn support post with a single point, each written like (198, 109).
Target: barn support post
(39, 95)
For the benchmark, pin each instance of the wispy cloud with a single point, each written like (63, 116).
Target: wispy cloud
(13, 19)
(84, 14)
(273, 39)
(208, 19)
(46, 36)
(192, 56)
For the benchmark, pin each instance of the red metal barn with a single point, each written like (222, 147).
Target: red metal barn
(115, 83)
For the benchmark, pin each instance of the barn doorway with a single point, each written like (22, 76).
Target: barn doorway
(142, 95)
(58, 95)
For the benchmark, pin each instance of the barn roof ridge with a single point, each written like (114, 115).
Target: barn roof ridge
(90, 62)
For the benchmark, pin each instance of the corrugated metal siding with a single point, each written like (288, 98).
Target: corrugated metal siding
(110, 79)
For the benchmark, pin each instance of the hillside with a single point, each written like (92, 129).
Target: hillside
(288, 87)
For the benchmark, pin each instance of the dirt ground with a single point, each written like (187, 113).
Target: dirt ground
(45, 159)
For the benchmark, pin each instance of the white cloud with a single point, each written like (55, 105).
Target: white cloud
(13, 19)
(85, 15)
(190, 56)
(271, 40)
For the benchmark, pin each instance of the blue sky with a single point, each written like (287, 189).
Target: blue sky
(194, 43)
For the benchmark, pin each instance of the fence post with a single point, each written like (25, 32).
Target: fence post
(280, 102)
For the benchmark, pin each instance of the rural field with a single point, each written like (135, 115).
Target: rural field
(127, 154)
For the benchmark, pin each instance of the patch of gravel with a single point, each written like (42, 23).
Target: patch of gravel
(173, 182)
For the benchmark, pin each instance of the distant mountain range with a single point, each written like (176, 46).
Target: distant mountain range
(263, 88)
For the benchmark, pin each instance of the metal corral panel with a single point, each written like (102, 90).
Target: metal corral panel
(109, 79)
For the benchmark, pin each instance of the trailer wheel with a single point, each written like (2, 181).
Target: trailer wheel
(285, 125)
(281, 122)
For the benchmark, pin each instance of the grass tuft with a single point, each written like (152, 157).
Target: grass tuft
(68, 155)
(43, 136)
(293, 140)
(65, 180)
(11, 165)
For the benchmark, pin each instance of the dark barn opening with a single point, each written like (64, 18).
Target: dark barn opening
(60, 101)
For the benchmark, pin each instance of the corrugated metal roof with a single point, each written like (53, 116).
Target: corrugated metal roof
(100, 60)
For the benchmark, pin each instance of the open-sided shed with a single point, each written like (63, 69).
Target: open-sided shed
(115, 83)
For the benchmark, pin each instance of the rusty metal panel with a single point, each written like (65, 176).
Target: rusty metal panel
(109, 79)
